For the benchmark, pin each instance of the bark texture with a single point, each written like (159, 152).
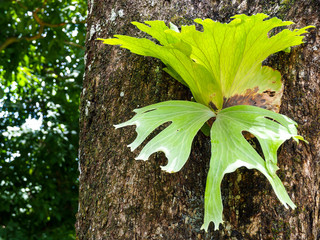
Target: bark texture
(121, 198)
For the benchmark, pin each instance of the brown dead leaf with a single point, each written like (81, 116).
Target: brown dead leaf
(268, 99)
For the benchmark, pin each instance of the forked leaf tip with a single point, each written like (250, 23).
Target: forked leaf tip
(310, 26)
(120, 125)
(141, 157)
(298, 137)
(103, 40)
(131, 148)
(166, 169)
(174, 27)
(138, 158)
(291, 204)
(205, 226)
(288, 23)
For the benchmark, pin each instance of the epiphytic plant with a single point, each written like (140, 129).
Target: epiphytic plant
(222, 67)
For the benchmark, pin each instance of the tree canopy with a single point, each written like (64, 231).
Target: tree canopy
(41, 68)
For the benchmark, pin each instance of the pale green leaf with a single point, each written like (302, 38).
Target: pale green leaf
(230, 150)
(220, 62)
(179, 65)
(222, 67)
(185, 118)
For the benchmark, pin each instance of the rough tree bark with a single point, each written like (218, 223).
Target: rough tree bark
(121, 198)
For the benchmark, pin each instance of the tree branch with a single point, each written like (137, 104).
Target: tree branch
(42, 24)
(74, 44)
(8, 42)
(36, 36)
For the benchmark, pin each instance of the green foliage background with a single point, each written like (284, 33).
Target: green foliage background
(41, 68)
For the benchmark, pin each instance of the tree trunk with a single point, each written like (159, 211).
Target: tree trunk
(121, 198)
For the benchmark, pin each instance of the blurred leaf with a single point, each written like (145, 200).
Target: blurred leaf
(38, 166)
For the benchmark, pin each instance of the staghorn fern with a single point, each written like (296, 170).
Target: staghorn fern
(222, 67)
